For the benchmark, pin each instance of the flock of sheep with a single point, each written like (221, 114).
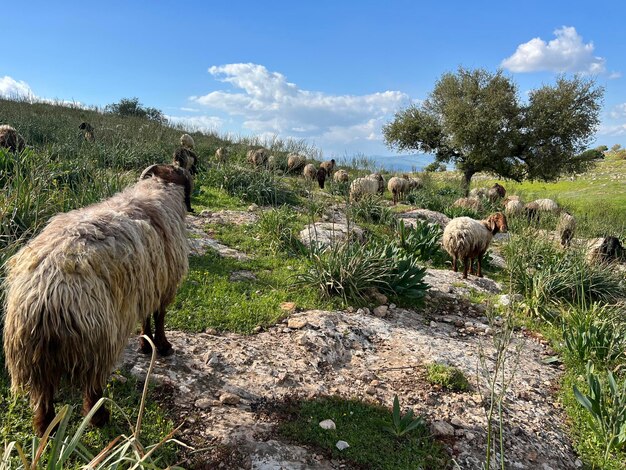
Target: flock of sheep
(76, 291)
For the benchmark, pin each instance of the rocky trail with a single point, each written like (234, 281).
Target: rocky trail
(219, 386)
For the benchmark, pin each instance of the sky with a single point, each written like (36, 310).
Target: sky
(330, 72)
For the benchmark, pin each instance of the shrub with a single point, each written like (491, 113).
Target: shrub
(449, 378)
(351, 270)
(422, 241)
(596, 333)
(371, 209)
(279, 227)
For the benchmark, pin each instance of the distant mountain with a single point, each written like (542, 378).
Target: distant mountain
(403, 162)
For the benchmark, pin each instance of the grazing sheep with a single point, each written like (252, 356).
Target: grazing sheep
(87, 131)
(605, 250)
(221, 154)
(468, 203)
(321, 177)
(513, 207)
(468, 239)
(77, 291)
(309, 172)
(11, 139)
(173, 174)
(295, 162)
(415, 183)
(187, 159)
(478, 192)
(341, 176)
(329, 166)
(397, 187)
(381, 182)
(565, 228)
(257, 157)
(547, 205)
(362, 186)
(187, 141)
(496, 192)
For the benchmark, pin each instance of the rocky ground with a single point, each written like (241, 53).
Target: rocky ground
(222, 387)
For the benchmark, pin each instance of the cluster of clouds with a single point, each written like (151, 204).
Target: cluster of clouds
(12, 88)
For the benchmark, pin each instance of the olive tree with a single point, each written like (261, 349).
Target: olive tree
(476, 120)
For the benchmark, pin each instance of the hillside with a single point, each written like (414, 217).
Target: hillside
(275, 331)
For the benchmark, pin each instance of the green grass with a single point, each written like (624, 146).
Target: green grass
(362, 425)
(447, 377)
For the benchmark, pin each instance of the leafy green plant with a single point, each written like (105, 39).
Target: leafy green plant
(449, 378)
(421, 241)
(607, 405)
(371, 209)
(401, 425)
(596, 333)
(279, 226)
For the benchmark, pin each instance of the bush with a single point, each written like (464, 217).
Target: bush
(350, 271)
(251, 185)
(371, 209)
(421, 241)
(449, 378)
(279, 226)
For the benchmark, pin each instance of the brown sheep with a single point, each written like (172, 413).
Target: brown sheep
(11, 139)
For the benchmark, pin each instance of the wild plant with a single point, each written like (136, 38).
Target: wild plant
(422, 241)
(371, 209)
(401, 425)
(278, 225)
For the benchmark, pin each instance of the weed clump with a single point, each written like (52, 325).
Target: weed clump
(449, 378)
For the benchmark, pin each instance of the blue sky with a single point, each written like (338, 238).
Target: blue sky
(330, 72)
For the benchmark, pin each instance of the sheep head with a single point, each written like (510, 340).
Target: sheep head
(496, 223)
(172, 174)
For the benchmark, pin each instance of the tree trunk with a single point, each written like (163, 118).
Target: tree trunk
(467, 179)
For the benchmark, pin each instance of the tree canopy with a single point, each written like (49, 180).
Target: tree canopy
(476, 120)
(132, 107)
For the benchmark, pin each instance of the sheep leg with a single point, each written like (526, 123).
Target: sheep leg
(480, 258)
(465, 266)
(44, 411)
(90, 398)
(163, 345)
(454, 264)
(146, 329)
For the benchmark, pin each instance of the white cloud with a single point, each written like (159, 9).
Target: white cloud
(618, 111)
(566, 53)
(268, 104)
(11, 88)
(614, 75)
(612, 130)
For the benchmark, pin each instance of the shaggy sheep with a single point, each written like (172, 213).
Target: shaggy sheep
(295, 162)
(11, 139)
(257, 157)
(397, 187)
(362, 186)
(468, 203)
(468, 239)
(565, 228)
(496, 192)
(513, 207)
(547, 205)
(173, 174)
(415, 183)
(221, 154)
(78, 290)
(87, 131)
(381, 182)
(329, 166)
(341, 176)
(605, 249)
(478, 192)
(187, 141)
(321, 177)
(309, 172)
(187, 159)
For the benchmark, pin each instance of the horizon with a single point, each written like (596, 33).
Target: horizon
(332, 80)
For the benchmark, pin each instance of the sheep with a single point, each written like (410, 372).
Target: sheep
(362, 186)
(341, 176)
(321, 177)
(468, 239)
(221, 154)
(513, 207)
(87, 131)
(478, 192)
(173, 174)
(468, 203)
(547, 205)
(295, 162)
(415, 183)
(329, 166)
(77, 291)
(257, 157)
(11, 139)
(186, 158)
(309, 172)
(397, 187)
(381, 182)
(605, 249)
(496, 192)
(187, 141)
(272, 162)
(565, 228)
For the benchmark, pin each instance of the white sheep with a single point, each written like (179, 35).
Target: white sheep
(469, 203)
(309, 172)
(397, 186)
(341, 176)
(467, 239)
(547, 205)
(77, 291)
(258, 157)
(295, 162)
(221, 154)
(381, 182)
(513, 207)
(329, 166)
(187, 141)
(363, 186)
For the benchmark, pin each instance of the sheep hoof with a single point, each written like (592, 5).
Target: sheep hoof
(101, 417)
(166, 351)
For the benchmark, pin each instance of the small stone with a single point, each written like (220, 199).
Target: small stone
(257, 329)
(211, 331)
(242, 275)
(370, 390)
(375, 383)
(456, 421)
(378, 296)
(341, 445)
(252, 207)
(288, 307)
(459, 323)
(433, 324)
(227, 398)
(206, 213)
(381, 311)
(392, 306)
(350, 309)
(204, 403)
(441, 428)
(297, 323)
(328, 424)
(469, 436)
